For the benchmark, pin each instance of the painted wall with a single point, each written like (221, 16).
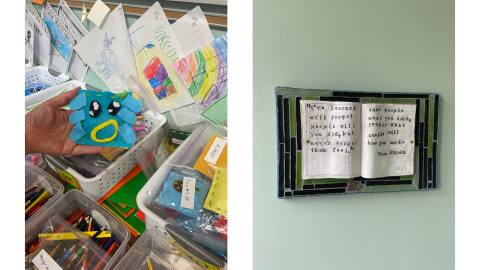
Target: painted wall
(382, 45)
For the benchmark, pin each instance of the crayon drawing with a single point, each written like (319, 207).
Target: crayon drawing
(204, 72)
(112, 66)
(58, 39)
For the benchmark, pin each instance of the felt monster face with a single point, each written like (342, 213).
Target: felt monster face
(104, 118)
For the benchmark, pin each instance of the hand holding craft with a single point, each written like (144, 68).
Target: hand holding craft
(47, 129)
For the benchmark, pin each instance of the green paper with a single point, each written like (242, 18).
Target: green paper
(131, 220)
(127, 194)
(217, 112)
(121, 209)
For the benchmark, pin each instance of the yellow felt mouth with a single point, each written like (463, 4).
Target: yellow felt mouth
(93, 135)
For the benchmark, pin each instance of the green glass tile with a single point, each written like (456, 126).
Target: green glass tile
(281, 91)
(366, 100)
(299, 170)
(422, 110)
(430, 145)
(330, 180)
(310, 98)
(393, 100)
(431, 118)
(406, 177)
(308, 182)
(388, 188)
(293, 118)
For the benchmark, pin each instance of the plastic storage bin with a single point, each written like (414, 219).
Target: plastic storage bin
(148, 192)
(98, 186)
(73, 200)
(42, 74)
(36, 177)
(163, 254)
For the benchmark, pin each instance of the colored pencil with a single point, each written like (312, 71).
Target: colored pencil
(55, 250)
(40, 204)
(98, 232)
(72, 213)
(79, 251)
(36, 200)
(62, 260)
(85, 260)
(105, 256)
(33, 188)
(109, 242)
(69, 236)
(149, 263)
(29, 197)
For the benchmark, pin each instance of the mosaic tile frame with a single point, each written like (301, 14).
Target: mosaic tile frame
(289, 149)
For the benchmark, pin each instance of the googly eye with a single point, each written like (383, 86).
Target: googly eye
(95, 109)
(113, 107)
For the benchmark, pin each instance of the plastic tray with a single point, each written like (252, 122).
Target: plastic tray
(73, 200)
(153, 221)
(98, 186)
(36, 177)
(163, 254)
(42, 74)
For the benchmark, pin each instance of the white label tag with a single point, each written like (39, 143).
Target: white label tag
(44, 262)
(177, 141)
(188, 192)
(215, 150)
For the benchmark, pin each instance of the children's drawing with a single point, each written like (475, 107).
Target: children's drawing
(109, 60)
(58, 39)
(204, 72)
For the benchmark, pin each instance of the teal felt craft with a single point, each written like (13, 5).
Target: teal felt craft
(101, 117)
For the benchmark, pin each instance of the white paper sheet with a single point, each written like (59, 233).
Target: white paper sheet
(331, 139)
(103, 49)
(43, 261)
(186, 115)
(388, 134)
(152, 38)
(29, 40)
(62, 40)
(42, 43)
(98, 13)
(192, 31)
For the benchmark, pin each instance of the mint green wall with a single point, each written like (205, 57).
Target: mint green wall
(383, 45)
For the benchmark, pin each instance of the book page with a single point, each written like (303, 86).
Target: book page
(331, 143)
(388, 134)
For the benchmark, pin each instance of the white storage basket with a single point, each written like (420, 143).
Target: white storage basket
(97, 187)
(42, 74)
(43, 95)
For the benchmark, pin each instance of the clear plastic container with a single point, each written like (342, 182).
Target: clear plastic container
(162, 253)
(73, 200)
(36, 177)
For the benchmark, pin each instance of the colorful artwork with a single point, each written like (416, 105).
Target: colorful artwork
(57, 38)
(204, 72)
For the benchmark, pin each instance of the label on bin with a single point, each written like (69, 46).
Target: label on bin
(43, 261)
(215, 150)
(188, 192)
(69, 179)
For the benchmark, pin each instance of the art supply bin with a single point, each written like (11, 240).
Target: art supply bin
(37, 177)
(99, 185)
(73, 200)
(153, 221)
(163, 254)
(44, 75)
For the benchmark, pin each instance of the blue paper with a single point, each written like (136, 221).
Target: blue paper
(132, 103)
(76, 117)
(79, 102)
(127, 115)
(77, 132)
(127, 133)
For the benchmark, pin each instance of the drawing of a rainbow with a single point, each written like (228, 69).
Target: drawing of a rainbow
(204, 72)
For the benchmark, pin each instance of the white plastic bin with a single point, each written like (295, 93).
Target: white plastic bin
(36, 177)
(50, 92)
(73, 200)
(42, 74)
(98, 186)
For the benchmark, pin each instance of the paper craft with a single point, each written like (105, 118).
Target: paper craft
(77, 68)
(134, 224)
(171, 195)
(60, 37)
(217, 198)
(155, 49)
(209, 168)
(102, 119)
(103, 49)
(83, 13)
(98, 13)
(192, 31)
(125, 212)
(217, 112)
(42, 43)
(29, 40)
(186, 115)
(204, 72)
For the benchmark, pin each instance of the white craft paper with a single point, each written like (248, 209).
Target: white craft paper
(192, 31)
(388, 134)
(98, 13)
(152, 36)
(188, 192)
(103, 49)
(331, 139)
(77, 68)
(42, 43)
(215, 150)
(43, 261)
(186, 115)
(29, 40)
(62, 41)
